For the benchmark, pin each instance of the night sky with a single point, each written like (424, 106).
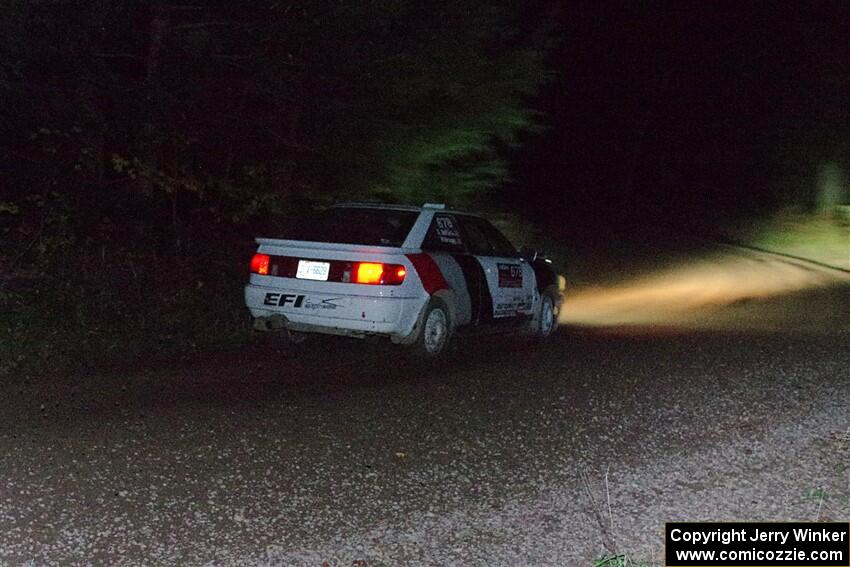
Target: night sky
(670, 112)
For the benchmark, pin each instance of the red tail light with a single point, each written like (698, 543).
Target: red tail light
(260, 264)
(378, 274)
(368, 273)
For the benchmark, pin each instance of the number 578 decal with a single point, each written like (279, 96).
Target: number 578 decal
(510, 275)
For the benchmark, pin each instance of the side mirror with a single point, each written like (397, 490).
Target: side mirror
(529, 254)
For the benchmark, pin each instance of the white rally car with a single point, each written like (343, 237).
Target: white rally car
(415, 275)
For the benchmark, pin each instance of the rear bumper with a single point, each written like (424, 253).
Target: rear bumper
(336, 314)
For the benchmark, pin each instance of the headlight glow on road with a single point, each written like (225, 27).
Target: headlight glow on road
(674, 295)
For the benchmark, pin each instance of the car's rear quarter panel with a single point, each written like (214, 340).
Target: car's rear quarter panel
(386, 309)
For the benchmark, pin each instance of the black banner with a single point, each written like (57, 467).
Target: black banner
(757, 544)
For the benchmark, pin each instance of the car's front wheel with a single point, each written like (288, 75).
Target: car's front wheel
(545, 321)
(436, 330)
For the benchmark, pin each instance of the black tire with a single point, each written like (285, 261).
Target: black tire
(435, 331)
(545, 321)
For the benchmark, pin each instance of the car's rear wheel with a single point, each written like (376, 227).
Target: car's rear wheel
(436, 330)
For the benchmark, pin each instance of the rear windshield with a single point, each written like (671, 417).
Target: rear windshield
(372, 227)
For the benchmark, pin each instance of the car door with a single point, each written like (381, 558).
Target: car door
(444, 243)
(509, 279)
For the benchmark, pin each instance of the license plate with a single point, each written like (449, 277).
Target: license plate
(309, 270)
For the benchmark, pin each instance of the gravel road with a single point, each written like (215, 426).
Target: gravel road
(345, 453)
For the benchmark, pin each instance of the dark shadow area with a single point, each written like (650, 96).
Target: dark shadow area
(332, 373)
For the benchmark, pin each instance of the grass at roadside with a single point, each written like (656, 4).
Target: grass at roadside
(822, 238)
(121, 309)
(619, 561)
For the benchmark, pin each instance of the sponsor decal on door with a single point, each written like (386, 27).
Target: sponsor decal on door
(510, 275)
(513, 307)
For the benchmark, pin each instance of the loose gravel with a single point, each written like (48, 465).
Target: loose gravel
(503, 455)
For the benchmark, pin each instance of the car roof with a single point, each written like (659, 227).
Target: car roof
(393, 207)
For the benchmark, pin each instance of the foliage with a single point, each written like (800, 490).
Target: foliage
(99, 303)
(146, 143)
(405, 98)
(619, 561)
